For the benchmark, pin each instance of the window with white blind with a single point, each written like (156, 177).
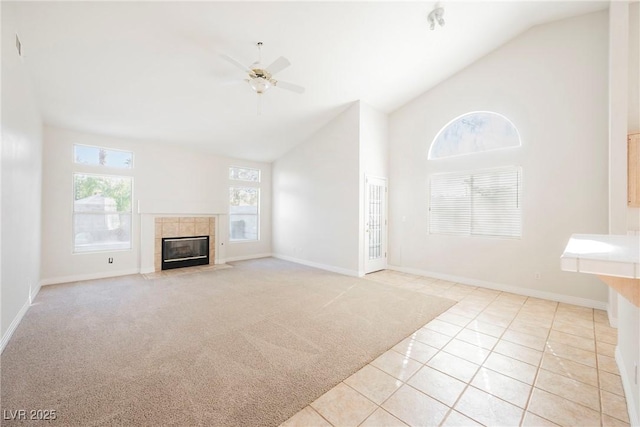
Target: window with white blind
(477, 203)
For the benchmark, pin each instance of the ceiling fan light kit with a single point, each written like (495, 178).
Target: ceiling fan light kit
(436, 15)
(261, 79)
(260, 84)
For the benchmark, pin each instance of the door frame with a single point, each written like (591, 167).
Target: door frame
(382, 264)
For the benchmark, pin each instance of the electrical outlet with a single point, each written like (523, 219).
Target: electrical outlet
(110, 260)
(537, 275)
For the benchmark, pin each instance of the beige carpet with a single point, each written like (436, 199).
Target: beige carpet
(245, 346)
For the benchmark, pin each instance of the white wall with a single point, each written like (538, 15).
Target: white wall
(21, 182)
(634, 67)
(628, 354)
(374, 160)
(624, 20)
(374, 141)
(551, 82)
(316, 195)
(166, 178)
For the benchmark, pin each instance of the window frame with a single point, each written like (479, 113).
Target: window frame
(246, 180)
(89, 165)
(257, 214)
(455, 174)
(435, 140)
(243, 183)
(73, 212)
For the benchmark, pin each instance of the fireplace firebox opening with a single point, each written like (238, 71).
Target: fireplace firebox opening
(180, 252)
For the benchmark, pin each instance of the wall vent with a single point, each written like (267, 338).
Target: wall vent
(18, 45)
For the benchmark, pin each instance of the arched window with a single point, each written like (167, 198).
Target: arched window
(474, 132)
(481, 202)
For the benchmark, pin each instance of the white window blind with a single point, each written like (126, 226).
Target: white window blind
(477, 203)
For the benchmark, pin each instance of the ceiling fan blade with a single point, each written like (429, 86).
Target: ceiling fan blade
(236, 63)
(278, 65)
(289, 86)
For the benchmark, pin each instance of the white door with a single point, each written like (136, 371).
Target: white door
(375, 236)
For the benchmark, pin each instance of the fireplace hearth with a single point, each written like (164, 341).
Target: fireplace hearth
(180, 252)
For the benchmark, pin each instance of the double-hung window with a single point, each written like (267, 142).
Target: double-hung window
(244, 204)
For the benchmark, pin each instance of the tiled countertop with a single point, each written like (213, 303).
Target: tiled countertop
(603, 254)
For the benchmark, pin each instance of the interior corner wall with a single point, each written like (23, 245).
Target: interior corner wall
(374, 141)
(316, 197)
(633, 116)
(374, 160)
(634, 67)
(551, 81)
(21, 181)
(628, 354)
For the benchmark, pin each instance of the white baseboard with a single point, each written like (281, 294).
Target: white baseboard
(12, 327)
(33, 293)
(331, 268)
(92, 276)
(568, 299)
(243, 258)
(627, 385)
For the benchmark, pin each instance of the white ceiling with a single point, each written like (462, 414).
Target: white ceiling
(152, 70)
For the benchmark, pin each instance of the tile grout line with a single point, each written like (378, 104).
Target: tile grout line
(491, 350)
(500, 338)
(524, 410)
(450, 408)
(538, 367)
(539, 364)
(468, 383)
(319, 414)
(595, 352)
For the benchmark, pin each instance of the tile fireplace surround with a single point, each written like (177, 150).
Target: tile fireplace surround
(189, 226)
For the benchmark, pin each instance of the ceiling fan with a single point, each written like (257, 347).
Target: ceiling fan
(261, 78)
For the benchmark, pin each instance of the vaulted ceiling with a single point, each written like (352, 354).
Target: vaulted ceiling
(153, 71)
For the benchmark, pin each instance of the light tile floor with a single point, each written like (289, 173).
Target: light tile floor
(494, 358)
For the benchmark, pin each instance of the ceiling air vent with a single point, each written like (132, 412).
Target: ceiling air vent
(18, 46)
